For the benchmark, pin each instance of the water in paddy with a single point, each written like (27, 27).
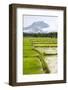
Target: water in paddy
(50, 57)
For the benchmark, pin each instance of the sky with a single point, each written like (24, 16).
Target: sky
(50, 20)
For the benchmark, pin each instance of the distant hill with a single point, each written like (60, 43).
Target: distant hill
(36, 27)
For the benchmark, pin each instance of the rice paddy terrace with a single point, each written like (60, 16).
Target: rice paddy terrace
(39, 55)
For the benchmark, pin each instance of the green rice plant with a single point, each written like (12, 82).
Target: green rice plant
(32, 65)
(45, 45)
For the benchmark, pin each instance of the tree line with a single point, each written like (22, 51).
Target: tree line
(51, 34)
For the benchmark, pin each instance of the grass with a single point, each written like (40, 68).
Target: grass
(33, 62)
